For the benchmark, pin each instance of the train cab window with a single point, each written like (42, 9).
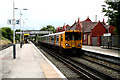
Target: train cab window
(67, 37)
(78, 36)
(73, 36)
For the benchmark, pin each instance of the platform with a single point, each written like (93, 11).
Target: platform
(110, 52)
(29, 63)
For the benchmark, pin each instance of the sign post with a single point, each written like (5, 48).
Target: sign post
(14, 49)
(108, 35)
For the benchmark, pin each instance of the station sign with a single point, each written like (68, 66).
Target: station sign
(10, 22)
(107, 34)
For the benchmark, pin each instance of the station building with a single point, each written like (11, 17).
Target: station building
(92, 31)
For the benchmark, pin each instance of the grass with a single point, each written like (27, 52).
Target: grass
(4, 41)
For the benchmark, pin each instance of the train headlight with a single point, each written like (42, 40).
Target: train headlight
(67, 44)
(79, 44)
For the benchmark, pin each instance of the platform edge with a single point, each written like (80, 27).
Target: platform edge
(55, 68)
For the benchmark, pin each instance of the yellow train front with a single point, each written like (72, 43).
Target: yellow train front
(67, 41)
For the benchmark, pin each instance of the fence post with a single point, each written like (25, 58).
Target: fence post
(98, 40)
(118, 41)
(108, 41)
(103, 42)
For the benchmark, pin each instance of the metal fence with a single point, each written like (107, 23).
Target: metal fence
(94, 41)
(112, 41)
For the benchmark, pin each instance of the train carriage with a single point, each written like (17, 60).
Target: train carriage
(63, 41)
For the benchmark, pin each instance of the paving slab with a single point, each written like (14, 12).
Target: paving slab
(25, 65)
(110, 52)
(29, 63)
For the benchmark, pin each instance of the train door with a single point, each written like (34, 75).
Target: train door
(49, 39)
(73, 43)
(55, 40)
(60, 40)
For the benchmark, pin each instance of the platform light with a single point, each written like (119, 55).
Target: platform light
(20, 23)
(14, 49)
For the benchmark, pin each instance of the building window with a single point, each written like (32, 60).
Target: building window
(84, 36)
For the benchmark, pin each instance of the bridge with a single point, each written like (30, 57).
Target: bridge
(32, 34)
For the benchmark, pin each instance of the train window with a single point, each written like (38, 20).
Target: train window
(52, 37)
(57, 38)
(48, 39)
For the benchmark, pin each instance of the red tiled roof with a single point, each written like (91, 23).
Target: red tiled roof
(88, 20)
(79, 26)
(64, 27)
(76, 25)
(87, 26)
(72, 26)
(61, 28)
(106, 26)
(67, 27)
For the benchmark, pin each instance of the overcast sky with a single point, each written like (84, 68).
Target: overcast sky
(50, 12)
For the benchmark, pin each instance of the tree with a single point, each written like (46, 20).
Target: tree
(113, 13)
(17, 36)
(4, 33)
(48, 28)
(7, 33)
(51, 28)
(43, 29)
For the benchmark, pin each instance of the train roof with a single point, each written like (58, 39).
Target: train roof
(59, 33)
(53, 34)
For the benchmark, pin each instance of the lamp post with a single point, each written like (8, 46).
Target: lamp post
(20, 24)
(108, 26)
(23, 31)
(14, 49)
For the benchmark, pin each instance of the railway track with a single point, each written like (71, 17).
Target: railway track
(97, 67)
(5, 46)
(87, 72)
(111, 59)
(102, 63)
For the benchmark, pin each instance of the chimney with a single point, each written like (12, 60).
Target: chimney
(64, 28)
(78, 19)
(103, 22)
(95, 18)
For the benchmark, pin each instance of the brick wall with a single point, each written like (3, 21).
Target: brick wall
(98, 30)
(112, 29)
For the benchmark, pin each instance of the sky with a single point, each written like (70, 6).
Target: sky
(41, 13)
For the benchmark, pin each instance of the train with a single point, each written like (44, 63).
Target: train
(66, 41)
